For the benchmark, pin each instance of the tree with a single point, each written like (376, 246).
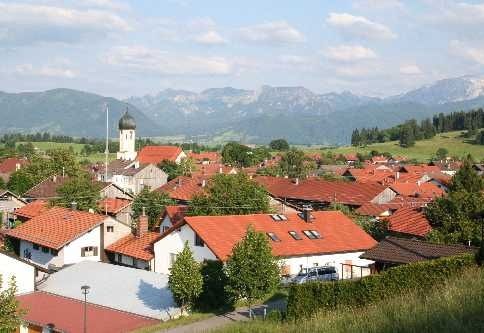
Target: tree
(441, 153)
(81, 190)
(186, 166)
(295, 164)
(170, 168)
(230, 195)
(355, 137)
(10, 314)
(252, 271)
(185, 280)
(407, 137)
(154, 203)
(237, 154)
(466, 179)
(279, 144)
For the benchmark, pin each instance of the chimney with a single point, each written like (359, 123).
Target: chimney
(296, 181)
(306, 213)
(142, 228)
(73, 205)
(220, 170)
(418, 183)
(54, 178)
(179, 181)
(204, 183)
(17, 166)
(397, 176)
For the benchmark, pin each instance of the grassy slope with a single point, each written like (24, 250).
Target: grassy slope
(423, 150)
(456, 307)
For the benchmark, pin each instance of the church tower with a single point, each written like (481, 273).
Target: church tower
(127, 137)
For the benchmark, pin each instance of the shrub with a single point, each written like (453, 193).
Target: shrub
(306, 299)
(214, 295)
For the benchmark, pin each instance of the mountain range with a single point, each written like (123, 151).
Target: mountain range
(252, 116)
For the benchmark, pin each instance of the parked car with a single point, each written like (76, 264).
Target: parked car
(321, 273)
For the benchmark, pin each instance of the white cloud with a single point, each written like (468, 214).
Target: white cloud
(349, 53)
(271, 32)
(359, 26)
(147, 60)
(46, 71)
(410, 69)
(460, 13)
(211, 37)
(294, 60)
(471, 53)
(378, 4)
(28, 23)
(106, 4)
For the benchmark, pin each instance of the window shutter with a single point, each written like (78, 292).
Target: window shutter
(95, 250)
(83, 252)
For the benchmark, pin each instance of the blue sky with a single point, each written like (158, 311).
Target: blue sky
(124, 48)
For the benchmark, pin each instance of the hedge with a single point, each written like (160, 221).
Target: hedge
(309, 298)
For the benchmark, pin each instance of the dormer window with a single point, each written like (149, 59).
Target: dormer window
(295, 235)
(273, 237)
(312, 234)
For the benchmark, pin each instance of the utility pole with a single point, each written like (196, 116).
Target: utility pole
(106, 151)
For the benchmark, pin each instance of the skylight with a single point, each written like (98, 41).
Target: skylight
(312, 234)
(273, 236)
(295, 235)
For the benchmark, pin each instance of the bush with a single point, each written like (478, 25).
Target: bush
(306, 299)
(214, 295)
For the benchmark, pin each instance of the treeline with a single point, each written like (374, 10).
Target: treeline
(411, 131)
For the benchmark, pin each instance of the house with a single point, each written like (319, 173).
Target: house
(118, 208)
(133, 177)
(208, 170)
(26, 273)
(379, 159)
(378, 210)
(30, 210)
(9, 203)
(136, 249)
(183, 188)
(125, 289)
(10, 165)
(428, 190)
(320, 193)
(298, 240)
(393, 251)
(156, 154)
(447, 167)
(61, 236)
(46, 312)
(171, 216)
(351, 158)
(409, 221)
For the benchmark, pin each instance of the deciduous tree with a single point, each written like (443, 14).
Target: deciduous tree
(154, 203)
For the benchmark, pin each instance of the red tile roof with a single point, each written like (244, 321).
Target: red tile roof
(338, 233)
(113, 205)
(428, 190)
(156, 154)
(65, 313)
(211, 156)
(10, 164)
(176, 213)
(374, 209)
(379, 159)
(314, 189)
(32, 209)
(182, 188)
(351, 157)
(409, 221)
(213, 169)
(139, 248)
(46, 188)
(420, 168)
(56, 227)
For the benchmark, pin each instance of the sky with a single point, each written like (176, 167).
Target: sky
(132, 48)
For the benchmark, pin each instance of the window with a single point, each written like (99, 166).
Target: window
(273, 236)
(165, 228)
(89, 251)
(110, 228)
(198, 241)
(172, 258)
(295, 235)
(35, 246)
(316, 234)
(54, 252)
(312, 234)
(120, 257)
(45, 249)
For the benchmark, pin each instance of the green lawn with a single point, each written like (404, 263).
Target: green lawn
(192, 318)
(77, 147)
(457, 306)
(422, 151)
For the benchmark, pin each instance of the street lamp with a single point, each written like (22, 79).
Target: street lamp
(85, 291)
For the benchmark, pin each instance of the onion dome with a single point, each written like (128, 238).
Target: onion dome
(127, 122)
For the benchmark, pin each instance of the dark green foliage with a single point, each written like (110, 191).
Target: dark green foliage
(441, 153)
(480, 138)
(466, 179)
(214, 295)
(81, 190)
(295, 164)
(407, 136)
(230, 195)
(279, 144)
(237, 154)
(252, 271)
(10, 312)
(171, 168)
(309, 298)
(154, 203)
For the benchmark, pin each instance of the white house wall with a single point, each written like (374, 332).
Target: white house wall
(43, 259)
(23, 273)
(173, 244)
(72, 251)
(120, 230)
